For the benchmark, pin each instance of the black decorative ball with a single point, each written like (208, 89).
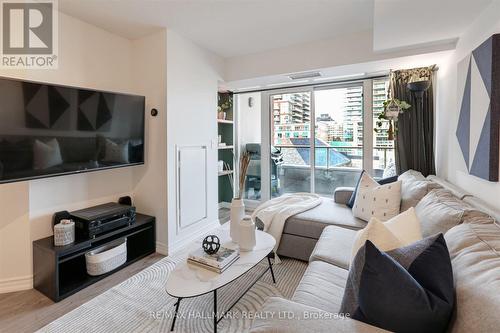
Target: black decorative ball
(211, 244)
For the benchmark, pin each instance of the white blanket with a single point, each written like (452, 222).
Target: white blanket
(275, 212)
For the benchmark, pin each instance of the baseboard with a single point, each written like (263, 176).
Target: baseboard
(162, 248)
(16, 284)
(186, 240)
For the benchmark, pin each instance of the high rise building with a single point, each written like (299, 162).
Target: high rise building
(292, 116)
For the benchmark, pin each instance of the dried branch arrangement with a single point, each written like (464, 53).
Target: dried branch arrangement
(244, 163)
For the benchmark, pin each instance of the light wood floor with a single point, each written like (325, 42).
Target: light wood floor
(28, 311)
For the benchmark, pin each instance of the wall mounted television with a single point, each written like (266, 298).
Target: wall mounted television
(49, 130)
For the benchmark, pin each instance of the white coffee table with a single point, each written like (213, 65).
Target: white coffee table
(188, 280)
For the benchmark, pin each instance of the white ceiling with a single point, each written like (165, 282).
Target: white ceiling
(229, 27)
(406, 23)
(240, 27)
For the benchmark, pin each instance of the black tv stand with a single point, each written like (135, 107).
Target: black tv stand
(60, 271)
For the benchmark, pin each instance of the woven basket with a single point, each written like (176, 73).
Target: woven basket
(106, 258)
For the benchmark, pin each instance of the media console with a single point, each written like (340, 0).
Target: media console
(60, 271)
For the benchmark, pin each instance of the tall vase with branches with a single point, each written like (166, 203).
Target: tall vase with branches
(237, 204)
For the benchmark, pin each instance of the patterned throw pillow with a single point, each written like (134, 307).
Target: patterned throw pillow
(374, 200)
(382, 181)
(404, 290)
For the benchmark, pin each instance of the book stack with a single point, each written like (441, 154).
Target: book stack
(217, 262)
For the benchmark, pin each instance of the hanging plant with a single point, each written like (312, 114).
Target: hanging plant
(389, 117)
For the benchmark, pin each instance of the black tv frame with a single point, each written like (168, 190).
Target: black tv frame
(52, 175)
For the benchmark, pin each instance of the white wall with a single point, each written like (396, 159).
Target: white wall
(149, 70)
(343, 50)
(192, 80)
(88, 57)
(249, 119)
(450, 163)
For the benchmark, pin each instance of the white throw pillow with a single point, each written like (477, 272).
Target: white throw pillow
(405, 226)
(46, 155)
(401, 230)
(374, 200)
(378, 233)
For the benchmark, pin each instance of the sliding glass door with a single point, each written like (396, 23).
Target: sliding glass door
(338, 144)
(312, 139)
(291, 141)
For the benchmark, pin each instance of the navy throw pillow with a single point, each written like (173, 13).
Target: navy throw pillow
(404, 290)
(383, 181)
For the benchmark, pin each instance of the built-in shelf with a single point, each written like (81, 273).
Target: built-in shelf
(225, 172)
(224, 121)
(226, 147)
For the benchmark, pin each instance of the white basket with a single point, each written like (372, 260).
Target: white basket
(106, 258)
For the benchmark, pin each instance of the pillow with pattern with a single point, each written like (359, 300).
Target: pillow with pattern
(375, 200)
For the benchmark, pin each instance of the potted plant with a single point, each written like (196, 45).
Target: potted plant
(224, 103)
(392, 108)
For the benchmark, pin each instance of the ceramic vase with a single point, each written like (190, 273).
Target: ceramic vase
(247, 234)
(236, 215)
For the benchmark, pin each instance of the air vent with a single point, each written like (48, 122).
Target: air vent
(304, 75)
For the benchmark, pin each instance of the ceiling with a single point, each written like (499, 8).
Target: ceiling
(232, 28)
(229, 27)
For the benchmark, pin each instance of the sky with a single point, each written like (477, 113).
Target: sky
(330, 101)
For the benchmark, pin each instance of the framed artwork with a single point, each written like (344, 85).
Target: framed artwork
(478, 78)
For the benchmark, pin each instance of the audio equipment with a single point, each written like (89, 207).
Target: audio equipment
(94, 221)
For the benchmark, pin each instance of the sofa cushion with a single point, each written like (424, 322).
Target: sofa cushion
(404, 290)
(413, 188)
(301, 318)
(334, 246)
(440, 211)
(475, 257)
(375, 200)
(322, 286)
(312, 222)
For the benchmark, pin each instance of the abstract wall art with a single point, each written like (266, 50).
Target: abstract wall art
(479, 109)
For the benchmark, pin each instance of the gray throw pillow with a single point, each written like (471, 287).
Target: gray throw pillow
(404, 290)
(116, 152)
(46, 155)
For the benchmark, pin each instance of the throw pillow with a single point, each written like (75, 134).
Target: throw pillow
(413, 188)
(46, 155)
(382, 181)
(374, 200)
(116, 152)
(376, 232)
(405, 290)
(405, 226)
(401, 230)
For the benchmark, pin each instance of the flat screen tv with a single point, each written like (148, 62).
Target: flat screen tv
(49, 130)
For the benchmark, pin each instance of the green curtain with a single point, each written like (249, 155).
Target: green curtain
(415, 135)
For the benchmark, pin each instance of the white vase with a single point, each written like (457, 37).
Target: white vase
(237, 214)
(247, 234)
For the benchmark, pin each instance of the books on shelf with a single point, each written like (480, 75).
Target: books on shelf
(217, 262)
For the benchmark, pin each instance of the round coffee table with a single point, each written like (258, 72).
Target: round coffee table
(188, 280)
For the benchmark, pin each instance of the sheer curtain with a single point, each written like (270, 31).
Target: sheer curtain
(415, 136)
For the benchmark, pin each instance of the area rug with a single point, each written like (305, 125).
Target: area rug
(141, 304)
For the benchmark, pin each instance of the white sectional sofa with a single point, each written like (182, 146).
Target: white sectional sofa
(474, 246)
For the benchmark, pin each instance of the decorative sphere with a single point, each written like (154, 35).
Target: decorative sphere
(211, 244)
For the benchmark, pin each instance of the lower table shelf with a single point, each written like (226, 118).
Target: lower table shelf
(60, 272)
